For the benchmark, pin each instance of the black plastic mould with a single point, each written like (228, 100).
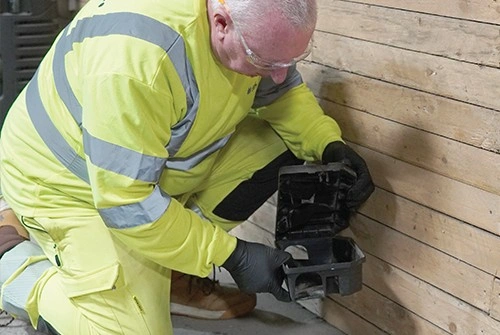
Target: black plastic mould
(310, 212)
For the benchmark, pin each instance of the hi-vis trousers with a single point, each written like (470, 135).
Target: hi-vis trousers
(130, 295)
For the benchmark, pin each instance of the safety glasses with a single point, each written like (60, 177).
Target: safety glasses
(257, 61)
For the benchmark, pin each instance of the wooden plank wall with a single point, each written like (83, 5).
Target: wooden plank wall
(415, 86)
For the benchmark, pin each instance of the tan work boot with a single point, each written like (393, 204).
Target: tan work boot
(11, 231)
(8, 218)
(203, 298)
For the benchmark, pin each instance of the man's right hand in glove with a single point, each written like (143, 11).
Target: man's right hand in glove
(257, 268)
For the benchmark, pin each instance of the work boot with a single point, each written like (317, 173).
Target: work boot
(9, 218)
(9, 238)
(203, 298)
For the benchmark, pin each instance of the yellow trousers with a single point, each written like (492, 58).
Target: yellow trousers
(97, 285)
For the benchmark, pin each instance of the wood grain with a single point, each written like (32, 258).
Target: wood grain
(445, 77)
(473, 42)
(475, 10)
(449, 118)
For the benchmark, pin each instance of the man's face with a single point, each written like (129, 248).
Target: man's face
(258, 54)
(267, 56)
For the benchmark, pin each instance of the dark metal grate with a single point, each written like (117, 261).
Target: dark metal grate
(25, 38)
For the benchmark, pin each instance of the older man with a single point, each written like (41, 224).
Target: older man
(150, 129)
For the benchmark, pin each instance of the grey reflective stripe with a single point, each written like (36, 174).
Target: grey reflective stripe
(120, 23)
(134, 165)
(147, 211)
(177, 55)
(180, 130)
(145, 28)
(184, 164)
(196, 209)
(49, 133)
(61, 80)
(268, 92)
(129, 24)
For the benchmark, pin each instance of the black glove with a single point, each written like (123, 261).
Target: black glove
(363, 187)
(257, 268)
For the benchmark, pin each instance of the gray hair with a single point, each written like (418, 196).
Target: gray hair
(301, 14)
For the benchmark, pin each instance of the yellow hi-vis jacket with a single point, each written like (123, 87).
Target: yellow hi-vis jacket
(123, 116)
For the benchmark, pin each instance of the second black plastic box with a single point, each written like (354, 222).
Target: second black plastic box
(310, 213)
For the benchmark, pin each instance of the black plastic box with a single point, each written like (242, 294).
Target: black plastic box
(310, 212)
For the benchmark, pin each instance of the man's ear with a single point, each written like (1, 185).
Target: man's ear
(220, 23)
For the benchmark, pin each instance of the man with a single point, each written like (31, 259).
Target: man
(150, 129)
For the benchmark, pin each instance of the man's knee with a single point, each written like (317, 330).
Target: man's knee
(250, 194)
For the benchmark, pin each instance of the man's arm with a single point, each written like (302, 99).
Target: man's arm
(126, 129)
(296, 116)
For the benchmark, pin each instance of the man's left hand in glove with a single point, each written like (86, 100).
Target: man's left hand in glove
(363, 187)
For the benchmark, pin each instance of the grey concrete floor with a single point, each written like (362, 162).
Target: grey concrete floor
(269, 317)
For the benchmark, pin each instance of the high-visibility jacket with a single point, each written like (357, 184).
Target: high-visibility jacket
(124, 115)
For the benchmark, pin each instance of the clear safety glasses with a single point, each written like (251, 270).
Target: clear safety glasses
(254, 59)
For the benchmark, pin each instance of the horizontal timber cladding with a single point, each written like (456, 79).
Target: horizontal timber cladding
(472, 42)
(456, 199)
(415, 87)
(451, 236)
(486, 11)
(417, 306)
(403, 288)
(430, 265)
(442, 155)
(434, 114)
(441, 76)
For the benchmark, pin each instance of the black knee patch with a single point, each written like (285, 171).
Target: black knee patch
(248, 196)
(45, 327)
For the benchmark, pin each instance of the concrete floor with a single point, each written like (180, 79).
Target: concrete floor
(269, 317)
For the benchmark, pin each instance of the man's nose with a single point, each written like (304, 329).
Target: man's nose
(279, 75)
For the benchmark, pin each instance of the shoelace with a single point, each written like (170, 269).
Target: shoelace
(206, 285)
(2, 312)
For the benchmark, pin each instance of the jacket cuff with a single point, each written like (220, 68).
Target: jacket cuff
(224, 246)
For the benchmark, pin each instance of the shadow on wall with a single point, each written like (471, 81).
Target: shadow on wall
(377, 302)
